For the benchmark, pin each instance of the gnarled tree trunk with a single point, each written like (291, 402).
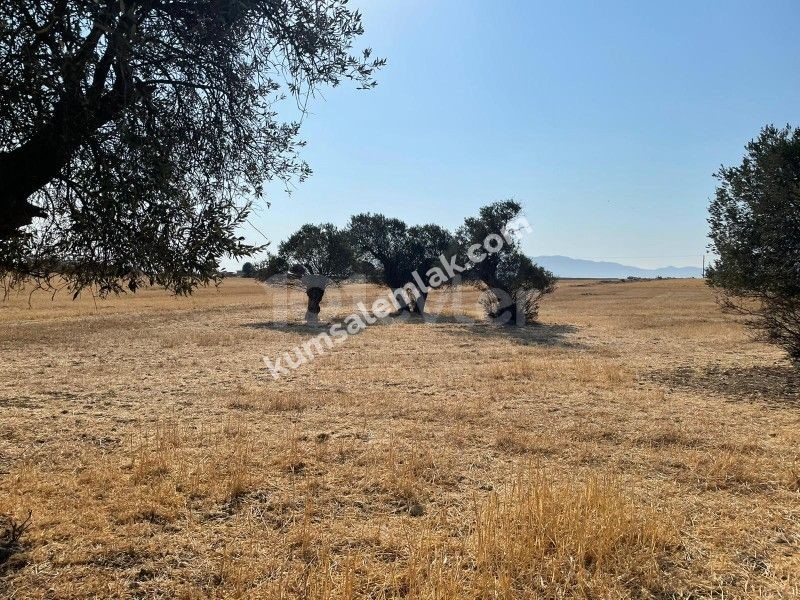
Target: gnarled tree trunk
(27, 168)
(505, 308)
(315, 295)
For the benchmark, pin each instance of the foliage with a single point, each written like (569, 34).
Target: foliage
(425, 245)
(755, 232)
(312, 258)
(390, 251)
(520, 285)
(380, 242)
(248, 270)
(514, 283)
(130, 132)
(492, 219)
(272, 269)
(321, 252)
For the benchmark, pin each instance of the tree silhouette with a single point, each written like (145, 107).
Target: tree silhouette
(514, 284)
(313, 258)
(131, 131)
(755, 233)
(391, 252)
(248, 270)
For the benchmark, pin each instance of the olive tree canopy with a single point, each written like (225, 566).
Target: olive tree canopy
(131, 131)
(755, 233)
(313, 258)
(391, 252)
(514, 284)
(380, 243)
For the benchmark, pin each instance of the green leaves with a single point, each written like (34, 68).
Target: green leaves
(319, 250)
(754, 223)
(154, 124)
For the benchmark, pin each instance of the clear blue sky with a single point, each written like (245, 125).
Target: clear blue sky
(605, 119)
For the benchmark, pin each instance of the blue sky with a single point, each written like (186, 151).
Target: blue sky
(606, 120)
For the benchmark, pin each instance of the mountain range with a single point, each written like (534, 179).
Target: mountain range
(564, 266)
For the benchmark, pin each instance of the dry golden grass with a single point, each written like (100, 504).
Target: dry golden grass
(636, 444)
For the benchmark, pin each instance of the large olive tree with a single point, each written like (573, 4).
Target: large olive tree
(313, 258)
(398, 256)
(131, 131)
(513, 283)
(755, 233)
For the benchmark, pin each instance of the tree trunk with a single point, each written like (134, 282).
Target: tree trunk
(516, 314)
(31, 166)
(315, 295)
(404, 308)
(23, 171)
(419, 304)
(512, 315)
(515, 317)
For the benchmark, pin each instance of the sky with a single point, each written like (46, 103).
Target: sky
(606, 120)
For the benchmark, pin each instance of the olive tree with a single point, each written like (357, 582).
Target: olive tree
(248, 269)
(513, 283)
(132, 131)
(519, 285)
(379, 243)
(399, 256)
(426, 244)
(313, 258)
(755, 234)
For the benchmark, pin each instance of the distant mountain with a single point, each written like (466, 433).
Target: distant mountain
(564, 266)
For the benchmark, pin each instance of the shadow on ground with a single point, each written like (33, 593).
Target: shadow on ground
(777, 385)
(291, 327)
(538, 334)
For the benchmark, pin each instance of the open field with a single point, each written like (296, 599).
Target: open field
(636, 444)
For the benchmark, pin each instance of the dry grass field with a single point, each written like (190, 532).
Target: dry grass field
(636, 444)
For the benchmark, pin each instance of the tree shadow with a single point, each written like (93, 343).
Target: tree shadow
(777, 385)
(534, 334)
(291, 327)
